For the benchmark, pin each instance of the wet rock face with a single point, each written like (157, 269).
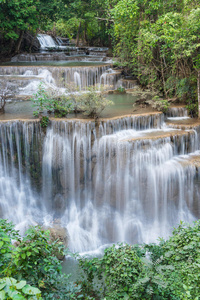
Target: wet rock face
(59, 204)
(59, 234)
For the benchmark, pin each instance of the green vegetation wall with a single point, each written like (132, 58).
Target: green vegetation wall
(160, 42)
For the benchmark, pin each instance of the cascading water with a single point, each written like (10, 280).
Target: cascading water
(123, 180)
(19, 157)
(57, 77)
(178, 112)
(128, 179)
(111, 79)
(77, 80)
(46, 41)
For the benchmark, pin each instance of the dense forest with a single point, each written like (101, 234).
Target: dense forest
(157, 41)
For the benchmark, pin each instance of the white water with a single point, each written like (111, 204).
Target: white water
(46, 41)
(59, 77)
(123, 181)
(177, 112)
(77, 80)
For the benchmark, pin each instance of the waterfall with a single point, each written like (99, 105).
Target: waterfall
(112, 79)
(128, 179)
(59, 41)
(176, 112)
(19, 161)
(55, 77)
(77, 80)
(46, 41)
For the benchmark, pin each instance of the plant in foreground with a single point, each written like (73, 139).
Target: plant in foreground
(33, 259)
(10, 288)
(168, 270)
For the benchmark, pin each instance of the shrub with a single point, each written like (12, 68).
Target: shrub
(33, 260)
(93, 103)
(159, 104)
(50, 101)
(10, 288)
(168, 270)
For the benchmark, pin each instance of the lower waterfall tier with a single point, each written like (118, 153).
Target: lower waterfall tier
(124, 180)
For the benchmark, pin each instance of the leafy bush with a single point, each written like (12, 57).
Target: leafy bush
(34, 260)
(166, 271)
(192, 108)
(159, 104)
(50, 101)
(122, 273)
(121, 89)
(44, 121)
(10, 288)
(93, 103)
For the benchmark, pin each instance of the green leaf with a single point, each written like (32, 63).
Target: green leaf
(2, 295)
(20, 285)
(19, 297)
(23, 255)
(29, 290)
(2, 285)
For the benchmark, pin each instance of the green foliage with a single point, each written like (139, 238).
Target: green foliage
(50, 101)
(192, 108)
(166, 271)
(62, 106)
(10, 288)
(18, 16)
(41, 101)
(159, 42)
(90, 18)
(159, 104)
(93, 103)
(121, 89)
(44, 121)
(67, 28)
(122, 273)
(32, 261)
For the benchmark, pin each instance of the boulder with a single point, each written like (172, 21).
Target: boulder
(59, 234)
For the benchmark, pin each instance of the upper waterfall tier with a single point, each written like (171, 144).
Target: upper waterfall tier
(120, 180)
(52, 44)
(46, 41)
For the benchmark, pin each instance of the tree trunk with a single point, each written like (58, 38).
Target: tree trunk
(54, 29)
(85, 34)
(163, 76)
(19, 42)
(32, 41)
(78, 34)
(2, 105)
(198, 92)
(11, 46)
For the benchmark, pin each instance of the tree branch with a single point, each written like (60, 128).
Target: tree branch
(104, 19)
